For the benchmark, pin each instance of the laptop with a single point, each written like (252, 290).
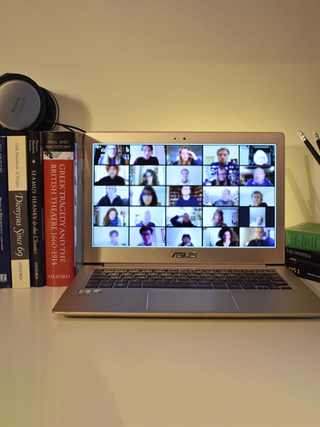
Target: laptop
(185, 224)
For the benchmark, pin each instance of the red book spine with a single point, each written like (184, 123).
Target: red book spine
(58, 170)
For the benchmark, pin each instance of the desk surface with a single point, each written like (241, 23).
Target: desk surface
(64, 372)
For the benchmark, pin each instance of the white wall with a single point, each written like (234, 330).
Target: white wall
(214, 65)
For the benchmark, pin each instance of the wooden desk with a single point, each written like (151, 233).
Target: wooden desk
(63, 372)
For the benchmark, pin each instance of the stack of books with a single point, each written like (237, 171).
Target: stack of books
(302, 252)
(40, 208)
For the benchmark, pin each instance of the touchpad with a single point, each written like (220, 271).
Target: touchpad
(190, 301)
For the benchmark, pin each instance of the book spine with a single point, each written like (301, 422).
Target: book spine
(296, 239)
(18, 211)
(58, 180)
(36, 209)
(302, 255)
(5, 257)
(304, 271)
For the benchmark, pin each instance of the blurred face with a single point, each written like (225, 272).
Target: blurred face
(112, 215)
(256, 199)
(184, 175)
(217, 216)
(222, 174)
(226, 236)
(185, 217)
(147, 217)
(111, 191)
(112, 151)
(225, 195)
(186, 239)
(149, 178)
(259, 233)
(185, 155)
(146, 152)
(147, 237)
(223, 156)
(114, 238)
(185, 191)
(147, 197)
(258, 175)
(112, 171)
(259, 220)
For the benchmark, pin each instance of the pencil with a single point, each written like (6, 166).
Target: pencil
(309, 146)
(316, 137)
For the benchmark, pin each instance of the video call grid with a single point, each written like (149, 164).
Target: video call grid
(240, 160)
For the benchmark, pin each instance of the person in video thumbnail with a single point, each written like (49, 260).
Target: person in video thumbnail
(259, 178)
(222, 177)
(259, 221)
(112, 178)
(186, 240)
(148, 197)
(187, 157)
(262, 238)
(225, 199)
(147, 158)
(114, 235)
(146, 234)
(111, 156)
(223, 158)
(111, 218)
(150, 178)
(184, 173)
(186, 199)
(111, 198)
(217, 219)
(185, 221)
(257, 198)
(226, 237)
(146, 220)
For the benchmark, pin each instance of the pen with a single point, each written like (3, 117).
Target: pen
(309, 146)
(316, 137)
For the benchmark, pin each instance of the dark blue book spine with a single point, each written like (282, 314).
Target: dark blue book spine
(5, 257)
(36, 208)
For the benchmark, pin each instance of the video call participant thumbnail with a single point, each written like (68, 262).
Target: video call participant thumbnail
(147, 157)
(112, 178)
(146, 235)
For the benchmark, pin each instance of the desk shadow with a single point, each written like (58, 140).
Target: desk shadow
(310, 208)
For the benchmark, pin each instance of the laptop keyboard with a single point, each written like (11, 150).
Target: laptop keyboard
(186, 279)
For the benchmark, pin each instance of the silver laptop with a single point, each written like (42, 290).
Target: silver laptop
(185, 225)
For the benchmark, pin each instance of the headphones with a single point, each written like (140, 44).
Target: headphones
(25, 106)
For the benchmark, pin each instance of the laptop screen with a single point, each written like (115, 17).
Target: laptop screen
(183, 196)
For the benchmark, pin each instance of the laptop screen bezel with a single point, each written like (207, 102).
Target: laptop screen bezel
(170, 255)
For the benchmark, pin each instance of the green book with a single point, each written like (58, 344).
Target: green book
(303, 236)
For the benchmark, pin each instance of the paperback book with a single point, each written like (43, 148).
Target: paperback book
(5, 257)
(18, 210)
(36, 209)
(62, 184)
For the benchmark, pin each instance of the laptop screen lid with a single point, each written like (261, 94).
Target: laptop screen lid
(193, 198)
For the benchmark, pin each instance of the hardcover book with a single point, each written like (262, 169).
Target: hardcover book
(5, 258)
(58, 169)
(304, 236)
(304, 270)
(36, 209)
(18, 210)
(302, 256)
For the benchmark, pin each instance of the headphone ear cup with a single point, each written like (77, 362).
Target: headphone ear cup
(24, 106)
(51, 112)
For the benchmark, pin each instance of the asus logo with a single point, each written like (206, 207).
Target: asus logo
(184, 255)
